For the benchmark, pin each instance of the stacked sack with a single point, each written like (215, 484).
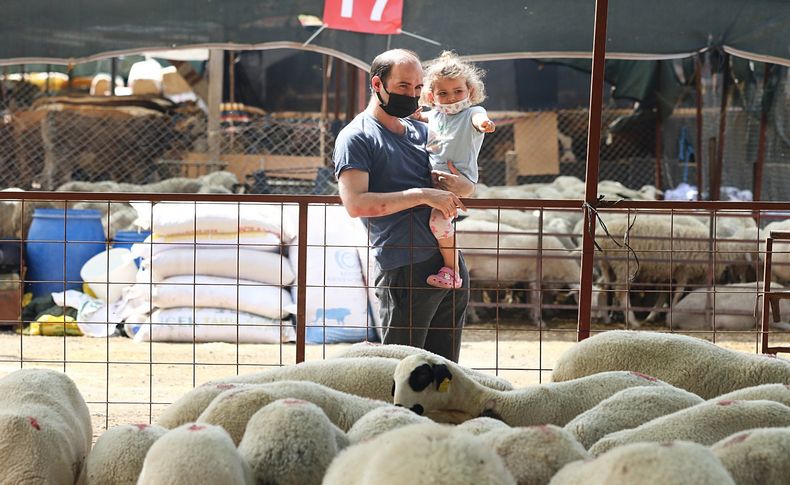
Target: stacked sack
(215, 272)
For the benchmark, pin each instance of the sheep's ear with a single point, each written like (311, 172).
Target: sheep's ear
(442, 377)
(421, 377)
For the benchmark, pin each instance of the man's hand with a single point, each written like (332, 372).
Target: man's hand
(446, 202)
(453, 182)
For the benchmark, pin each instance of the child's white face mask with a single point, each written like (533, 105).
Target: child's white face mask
(453, 108)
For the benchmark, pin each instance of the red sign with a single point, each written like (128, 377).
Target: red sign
(368, 16)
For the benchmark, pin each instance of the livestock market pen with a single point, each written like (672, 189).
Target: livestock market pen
(124, 380)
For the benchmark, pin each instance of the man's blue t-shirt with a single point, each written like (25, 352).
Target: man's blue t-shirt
(394, 163)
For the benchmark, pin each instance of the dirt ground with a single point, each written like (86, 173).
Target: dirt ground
(128, 382)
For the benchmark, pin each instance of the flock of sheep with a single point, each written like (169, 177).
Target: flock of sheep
(676, 260)
(623, 407)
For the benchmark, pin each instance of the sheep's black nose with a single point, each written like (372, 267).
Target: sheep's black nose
(418, 409)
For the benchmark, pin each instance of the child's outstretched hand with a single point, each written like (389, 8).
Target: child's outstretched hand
(487, 126)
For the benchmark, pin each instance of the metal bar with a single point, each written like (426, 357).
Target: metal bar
(766, 291)
(715, 183)
(593, 160)
(698, 145)
(113, 73)
(301, 283)
(759, 164)
(659, 150)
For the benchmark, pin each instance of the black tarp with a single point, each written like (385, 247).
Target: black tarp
(79, 30)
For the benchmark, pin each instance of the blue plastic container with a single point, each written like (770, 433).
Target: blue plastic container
(58, 243)
(126, 239)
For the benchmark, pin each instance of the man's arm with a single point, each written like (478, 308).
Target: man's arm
(453, 181)
(353, 186)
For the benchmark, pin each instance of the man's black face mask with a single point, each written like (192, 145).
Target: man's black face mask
(399, 105)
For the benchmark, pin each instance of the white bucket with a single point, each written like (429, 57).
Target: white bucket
(109, 272)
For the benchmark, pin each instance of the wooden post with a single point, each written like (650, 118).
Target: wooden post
(715, 183)
(511, 167)
(215, 81)
(759, 164)
(698, 150)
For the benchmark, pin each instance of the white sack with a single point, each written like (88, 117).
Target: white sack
(247, 264)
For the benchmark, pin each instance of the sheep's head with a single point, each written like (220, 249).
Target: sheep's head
(422, 383)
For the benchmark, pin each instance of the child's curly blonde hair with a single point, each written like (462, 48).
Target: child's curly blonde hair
(449, 66)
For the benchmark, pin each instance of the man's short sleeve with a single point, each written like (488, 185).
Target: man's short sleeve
(351, 151)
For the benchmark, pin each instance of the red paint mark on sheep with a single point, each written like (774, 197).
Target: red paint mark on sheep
(196, 427)
(644, 376)
(736, 439)
(141, 426)
(726, 402)
(294, 402)
(34, 423)
(225, 386)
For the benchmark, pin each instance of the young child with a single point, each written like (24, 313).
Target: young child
(456, 127)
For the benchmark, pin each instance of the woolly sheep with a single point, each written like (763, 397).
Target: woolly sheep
(419, 453)
(770, 392)
(400, 352)
(628, 409)
(674, 463)
(690, 363)
(534, 454)
(45, 427)
(689, 250)
(496, 259)
(380, 420)
(478, 426)
(704, 423)
(366, 377)
(756, 456)
(291, 442)
(233, 408)
(435, 387)
(738, 307)
(195, 453)
(118, 455)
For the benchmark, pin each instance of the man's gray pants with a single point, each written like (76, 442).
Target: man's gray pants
(417, 314)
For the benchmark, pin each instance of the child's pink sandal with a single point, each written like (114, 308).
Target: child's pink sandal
(445, 278)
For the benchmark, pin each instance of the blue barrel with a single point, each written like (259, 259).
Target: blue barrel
(58, 243)
(125, 239)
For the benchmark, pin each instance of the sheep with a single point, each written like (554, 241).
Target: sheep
(478, 426)
(770, 392)
(534, 454)
(291, 442)
(756, 456)
(690, 363)
(45, 427)
(704, 423)
(435, 387)
(628, 409)
(382, 419)
(369, 377)
(738, 307)
(689, 250)
(395, 351)
(118, 455)
(673, 463)
(195, 453)
(555, 223)
(419, 453)
(500, 260)
(234, 407)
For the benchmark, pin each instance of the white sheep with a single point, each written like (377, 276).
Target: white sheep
(477, 426)
(400, 352)
(291, 442)
(534, 454)
(704, 423)
(195, 453)
(233, 408)
(690, 363)
(628, 409)
(673, 463)
(738, 307)
(498, 255)
(419, 453)
(435, 387)
(756, 456)
(369, 377)
(770, 392)
(382, 419)
(118, 455)
(45, 427)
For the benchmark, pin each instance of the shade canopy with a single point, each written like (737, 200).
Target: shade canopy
(75, 31)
